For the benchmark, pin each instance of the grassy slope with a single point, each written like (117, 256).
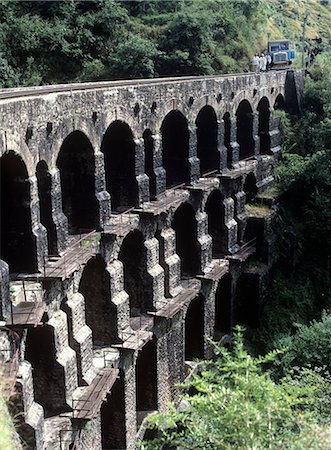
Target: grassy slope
(286, 18)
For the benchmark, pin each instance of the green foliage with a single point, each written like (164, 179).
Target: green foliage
(237, 405)
(310, 346)
(53, 41)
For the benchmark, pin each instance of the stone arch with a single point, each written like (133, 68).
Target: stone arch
(44, 184)
(175, 148)
(194, 329)
(113, 427)
(18, 245)
(149, 162)
(119, 150)
(279, 103)
(250, 187)
(137, 282)
(245, 121)
(100, 312)
(223, 306)
(207, 134)
(185, 225)
(216, 223)
(48, 374)
(227, 139)
(146, 381)
(76, 163)
(263, 109)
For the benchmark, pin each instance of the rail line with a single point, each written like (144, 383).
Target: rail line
(74, 87)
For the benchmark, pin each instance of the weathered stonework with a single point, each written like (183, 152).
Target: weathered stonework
(131, 293)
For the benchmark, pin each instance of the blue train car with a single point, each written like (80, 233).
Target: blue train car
(281, 54)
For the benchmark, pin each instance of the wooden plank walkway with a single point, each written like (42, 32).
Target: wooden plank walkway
(189, 292)
(27, 314)
(60, 267)
(164, 202)
(87, 406)
(219, 268)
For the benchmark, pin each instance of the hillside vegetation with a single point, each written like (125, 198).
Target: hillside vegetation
(45, 42)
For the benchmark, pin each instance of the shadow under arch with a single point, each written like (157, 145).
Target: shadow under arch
(44, 183)
(207, 137)
(119, 150)
(76, 163)
(137, 282)
(216, 223)
(18, 244)
(245, 137)
(194, 329)
(185, 225)
(263, 109)
(175, 148)
(100, 312)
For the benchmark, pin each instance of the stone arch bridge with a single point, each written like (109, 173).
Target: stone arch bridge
(126, 239)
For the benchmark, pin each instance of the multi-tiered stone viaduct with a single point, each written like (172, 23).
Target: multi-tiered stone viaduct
(126, 241)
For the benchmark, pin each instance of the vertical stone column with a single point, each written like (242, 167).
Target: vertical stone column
(240, 213)
(230, 225)
(27, 409)
(38, 230)
(194, 162)
(155, 272)
(4, 290)
(59, 219)
(118, 296)
(204, 240)
(256, 136)
(170, 262)
(141, 178)
(159, 171)
(234, 144)
(220, 145)
(65, 355)
(80, 337)
(103, 197)
(130, 406)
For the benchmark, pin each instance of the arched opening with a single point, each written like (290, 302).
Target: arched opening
(149, 162)
(264, 125)
(216, 225)
(48, 374)
(175, 148)
(76, 164)
(194, 329)
(99, 310)
(118, 148)
(18, 246)
(207, 140)
(250, 187)
(146, 381)
(113, 429)
(44, 182)
(137, 282)
(227, 139)
(185, 226)
(245, 130)
(247, 300)
(279, 103)
(223, 314)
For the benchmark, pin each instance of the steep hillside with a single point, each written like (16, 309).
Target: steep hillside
(285, 19)
(49, 42)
